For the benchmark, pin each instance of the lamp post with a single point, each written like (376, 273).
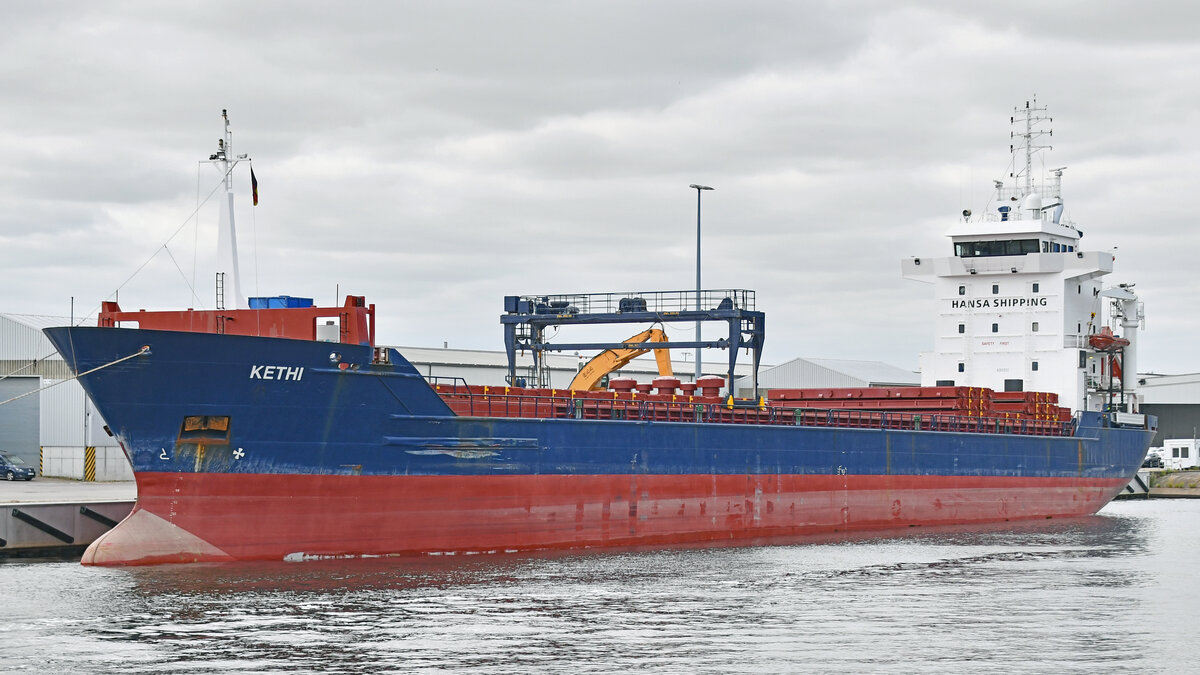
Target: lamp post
(698, 189)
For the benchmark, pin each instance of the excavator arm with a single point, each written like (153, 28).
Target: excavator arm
(610, 360)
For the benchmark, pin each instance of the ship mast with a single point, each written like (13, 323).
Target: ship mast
(227, 255)
(1031, 116)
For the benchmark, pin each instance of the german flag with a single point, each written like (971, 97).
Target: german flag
(253, 186)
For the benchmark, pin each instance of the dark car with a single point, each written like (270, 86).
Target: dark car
(13, 467)
(1152, 462)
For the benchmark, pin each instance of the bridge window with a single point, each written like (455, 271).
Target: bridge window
(975, 249)
(1035, 287)
(962, 368)
(995, 328)
(1035, 365)
(995, 289)
(962, 290)
(962, 327)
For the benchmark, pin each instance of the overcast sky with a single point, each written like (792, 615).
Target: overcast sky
(438, 156)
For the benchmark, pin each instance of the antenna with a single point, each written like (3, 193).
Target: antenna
(1030, 117)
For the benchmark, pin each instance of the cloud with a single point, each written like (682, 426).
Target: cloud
(438, 156)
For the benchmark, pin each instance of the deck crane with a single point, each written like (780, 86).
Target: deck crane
(610, 360)
(526, 318)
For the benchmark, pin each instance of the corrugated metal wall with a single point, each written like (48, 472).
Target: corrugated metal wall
(68, 418)
(21, 342)
(54, 369)
(24, 349)
(64, 417)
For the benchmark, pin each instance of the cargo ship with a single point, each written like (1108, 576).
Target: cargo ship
(279, 430)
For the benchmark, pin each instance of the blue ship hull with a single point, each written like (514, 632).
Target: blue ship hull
(268, 448)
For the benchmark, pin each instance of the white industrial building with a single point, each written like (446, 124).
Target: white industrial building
(1175, 399)
(58, 428)
(802, 373)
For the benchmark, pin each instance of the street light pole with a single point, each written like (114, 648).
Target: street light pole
(698, 189)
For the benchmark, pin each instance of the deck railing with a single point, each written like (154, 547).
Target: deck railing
(641, 301)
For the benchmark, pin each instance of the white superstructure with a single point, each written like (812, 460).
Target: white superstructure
(1019, 301)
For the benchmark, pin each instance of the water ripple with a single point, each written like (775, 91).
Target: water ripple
(1077, 595)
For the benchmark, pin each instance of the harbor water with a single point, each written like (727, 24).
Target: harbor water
(1115, 592)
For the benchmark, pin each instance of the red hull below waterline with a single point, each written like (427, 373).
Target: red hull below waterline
(211, 518)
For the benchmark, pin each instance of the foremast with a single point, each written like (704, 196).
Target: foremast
(229, 277)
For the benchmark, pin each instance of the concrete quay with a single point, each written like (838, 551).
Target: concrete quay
(53, 517)
(1162, 483)
(1175, 484)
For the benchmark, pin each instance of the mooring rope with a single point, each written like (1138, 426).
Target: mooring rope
(144, 350)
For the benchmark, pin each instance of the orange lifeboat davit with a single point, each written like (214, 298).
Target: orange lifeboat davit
(1105, 341)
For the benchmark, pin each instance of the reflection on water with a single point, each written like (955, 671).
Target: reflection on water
(1077, 595)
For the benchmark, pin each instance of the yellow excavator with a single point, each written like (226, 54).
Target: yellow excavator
(589, 377)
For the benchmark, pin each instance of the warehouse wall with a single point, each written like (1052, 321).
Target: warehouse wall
(71, 462)
(1174, 420)
(72, 433)
(68, 418)
(19, 418)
